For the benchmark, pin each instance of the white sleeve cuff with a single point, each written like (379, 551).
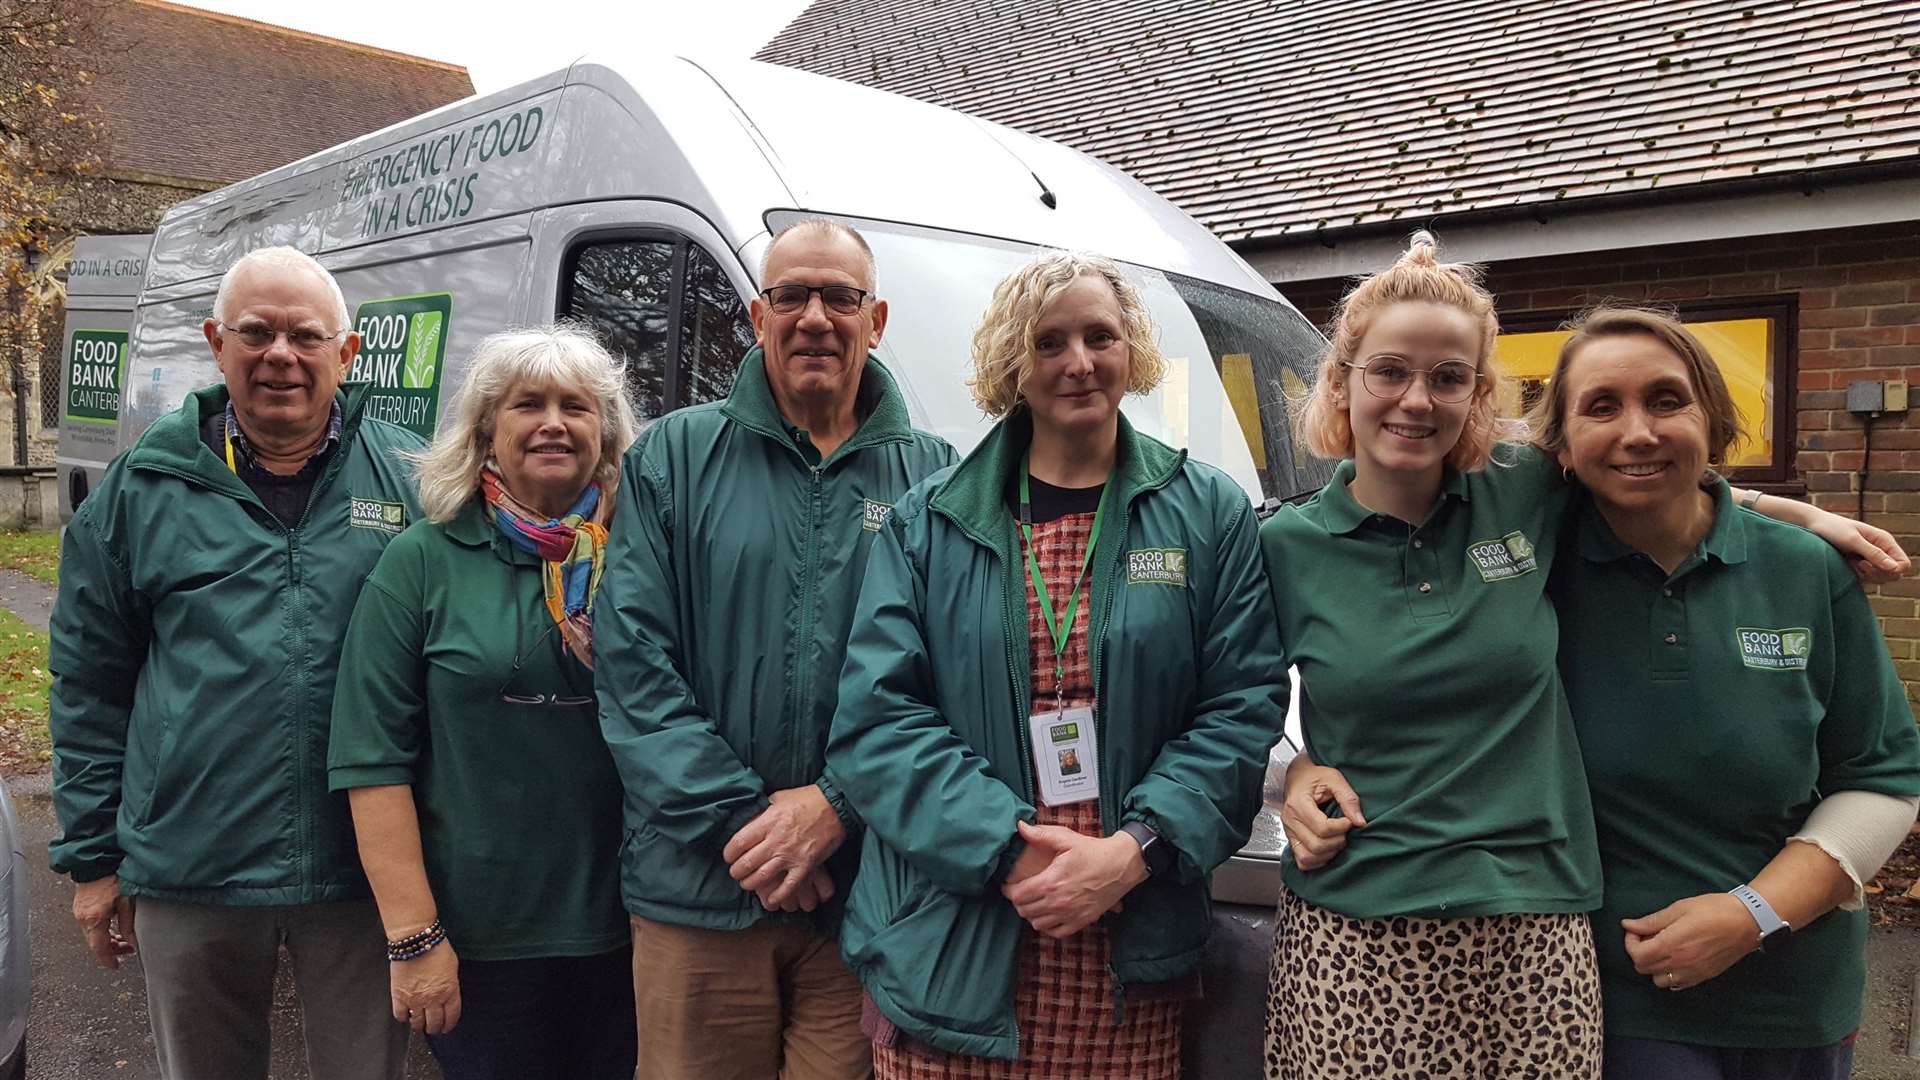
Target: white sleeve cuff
(1859, 830)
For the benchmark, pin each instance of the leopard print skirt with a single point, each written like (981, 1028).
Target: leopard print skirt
(1497, 997)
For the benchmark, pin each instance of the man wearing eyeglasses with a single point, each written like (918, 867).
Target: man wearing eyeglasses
(738, 546)
(205, 589)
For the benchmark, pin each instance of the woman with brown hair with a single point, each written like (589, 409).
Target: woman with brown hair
(1750, 749)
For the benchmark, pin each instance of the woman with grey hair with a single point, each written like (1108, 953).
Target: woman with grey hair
(465, 731)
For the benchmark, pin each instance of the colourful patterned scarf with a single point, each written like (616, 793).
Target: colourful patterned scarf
(572, 548)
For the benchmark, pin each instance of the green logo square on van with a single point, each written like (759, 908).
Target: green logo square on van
(403, 348)
(95, 361)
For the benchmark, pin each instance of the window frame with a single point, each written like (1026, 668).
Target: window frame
(1776, 477)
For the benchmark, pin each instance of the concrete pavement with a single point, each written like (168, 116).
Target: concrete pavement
(87, 1023)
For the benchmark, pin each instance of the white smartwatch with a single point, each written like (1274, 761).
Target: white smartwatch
(1775, 933)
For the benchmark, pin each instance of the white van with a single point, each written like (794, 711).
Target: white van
(103, 281)
(639, 197)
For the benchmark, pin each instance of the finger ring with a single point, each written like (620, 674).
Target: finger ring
(1673, 981)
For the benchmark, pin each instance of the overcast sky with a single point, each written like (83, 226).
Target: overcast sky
(504, 43)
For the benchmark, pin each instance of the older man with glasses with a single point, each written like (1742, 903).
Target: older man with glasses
(738, 545)
(205, 589)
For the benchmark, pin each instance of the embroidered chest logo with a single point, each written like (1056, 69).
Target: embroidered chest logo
(1775, 650)
(1157, 566)
(380, 516)
(1508, 557)
(875, 514)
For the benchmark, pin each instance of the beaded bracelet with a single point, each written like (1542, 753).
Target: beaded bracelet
(416, 944)
(417, 951)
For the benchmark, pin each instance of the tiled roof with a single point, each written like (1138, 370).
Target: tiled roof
(1268, 120)
(196, 95)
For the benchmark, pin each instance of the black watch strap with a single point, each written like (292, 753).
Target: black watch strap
(1156, 851)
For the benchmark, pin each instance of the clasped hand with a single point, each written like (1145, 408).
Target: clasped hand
(1065, 880)
(1690, 941)
(779, 855)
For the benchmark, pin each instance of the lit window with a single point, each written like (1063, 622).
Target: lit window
(1750, 342)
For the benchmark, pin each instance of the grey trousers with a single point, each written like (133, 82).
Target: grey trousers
(209, 973)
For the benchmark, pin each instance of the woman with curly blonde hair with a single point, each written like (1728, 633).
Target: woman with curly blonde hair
(1058, 697)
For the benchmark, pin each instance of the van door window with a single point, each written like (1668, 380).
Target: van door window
(667, 310)
(624, 290)
(715, 333)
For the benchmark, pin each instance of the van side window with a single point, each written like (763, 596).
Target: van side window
(665, 308)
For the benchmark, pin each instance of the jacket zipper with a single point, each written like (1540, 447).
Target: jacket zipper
(1109, 805)
(1022, 710)
(802, 675)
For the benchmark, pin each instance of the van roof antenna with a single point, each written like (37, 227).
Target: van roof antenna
(1047, 198)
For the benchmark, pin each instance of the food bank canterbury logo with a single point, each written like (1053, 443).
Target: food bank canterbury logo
(1508, 557)
(1157, 566)
(386, 517)
(1775, 650)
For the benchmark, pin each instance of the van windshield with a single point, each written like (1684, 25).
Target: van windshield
(1232, 356)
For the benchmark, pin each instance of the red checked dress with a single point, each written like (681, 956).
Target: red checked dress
(1063, 1002)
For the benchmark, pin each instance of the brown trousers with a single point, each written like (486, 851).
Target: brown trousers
(755, 1004)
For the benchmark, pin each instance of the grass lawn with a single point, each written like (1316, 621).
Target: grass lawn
(36, 553)
(24, 746)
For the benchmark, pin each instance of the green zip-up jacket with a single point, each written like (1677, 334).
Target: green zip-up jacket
(721, 624)
(195, 643)
(930, 742)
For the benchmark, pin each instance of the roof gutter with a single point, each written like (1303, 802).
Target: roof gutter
(1801, 203)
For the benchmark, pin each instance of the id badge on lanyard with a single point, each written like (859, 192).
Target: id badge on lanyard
(1066, 750)
(1066, 755)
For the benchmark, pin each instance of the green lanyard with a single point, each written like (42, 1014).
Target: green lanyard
(1058, 629)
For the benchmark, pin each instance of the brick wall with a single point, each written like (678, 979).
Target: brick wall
(1857, 292)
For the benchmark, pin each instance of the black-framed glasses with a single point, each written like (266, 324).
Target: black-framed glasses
(1390, 377)
(259, 336)
(839, 299)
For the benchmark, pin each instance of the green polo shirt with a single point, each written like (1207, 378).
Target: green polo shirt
(1715, 705)
(1426, 657)
(454, 680)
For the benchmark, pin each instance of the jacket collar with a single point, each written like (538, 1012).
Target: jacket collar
(879, 402)
(1343, 513)
(173, 443)
(974, 496)
(1726, 542)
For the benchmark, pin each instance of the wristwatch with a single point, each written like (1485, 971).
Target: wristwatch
(1775, 933)
(1157, 852)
